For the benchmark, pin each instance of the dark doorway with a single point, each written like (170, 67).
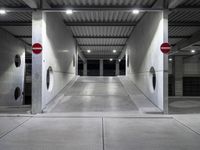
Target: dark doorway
(93, 67)
(80, 67)
(109, 68)
(122, 67)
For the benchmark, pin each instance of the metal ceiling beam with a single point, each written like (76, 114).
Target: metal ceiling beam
(175, 3)
(104, 58)
(101, 45)
(186, 43)
(99, 37)
(101, 8)
(100, 23)
(182, 24)
(179, 37)
(15, 24)
(23, 36)
(31, 3)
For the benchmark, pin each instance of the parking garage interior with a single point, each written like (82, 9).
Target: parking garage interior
(89, 74)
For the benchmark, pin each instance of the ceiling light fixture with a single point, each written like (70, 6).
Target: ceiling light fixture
(2, 11)
(136, 11)
(111, 59)
(193, 51)
(170, 59)
(114, 51)
(69, 11)
(89, 51)
(119, 60)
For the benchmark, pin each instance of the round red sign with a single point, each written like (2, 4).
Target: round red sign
(37, 48)
(165, 48)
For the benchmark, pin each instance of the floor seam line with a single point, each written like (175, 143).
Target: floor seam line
(184, 125)
(102, 128)
(15, 128)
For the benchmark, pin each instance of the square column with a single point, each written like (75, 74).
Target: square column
(178, 74)
(117, 68)
(38, 28)
(85, 69)
(101, 67)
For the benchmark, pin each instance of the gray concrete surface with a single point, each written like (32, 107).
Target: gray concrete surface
(148, 134)
(55, 134)
(59, 53)
(192, 121)
(96, 94)
(9, 123)
(107, 116)
(184, 105)
(10, 75)
(143, 53)
(109, 133)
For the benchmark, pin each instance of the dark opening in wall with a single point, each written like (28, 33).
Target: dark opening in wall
(191, 86)
(122, 66)
(93, 67)
(80, 67)
(17, 60)
(17, 93)
(153, 74)
(109, 68)
(49, 79)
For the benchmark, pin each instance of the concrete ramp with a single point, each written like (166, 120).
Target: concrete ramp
(99, 96)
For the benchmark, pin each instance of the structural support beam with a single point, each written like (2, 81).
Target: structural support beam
(116, 67)
(23, 36)
(186, 43)
(99, 37)
(195, 24)
(82, 56)
(179, 37)
(85, 68)
(101, 45)
(181, 24)
(15, 24)
(100, 23)
(31, 3)
(175, 3)
(101, 67)
(97, 8)
(178, 74)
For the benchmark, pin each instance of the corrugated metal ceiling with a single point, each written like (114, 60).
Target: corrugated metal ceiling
(62, 3)
(104, 17)
(12, 3)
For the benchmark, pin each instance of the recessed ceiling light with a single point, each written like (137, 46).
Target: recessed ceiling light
(69, 11)
(89, 51)
(111, 59)
(2, 12)
(193, 51)
(114, 51)
(136, 11)
(119, 60)
(170, 59)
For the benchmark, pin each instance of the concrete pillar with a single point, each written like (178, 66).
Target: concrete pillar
(76, 61)
(85, 69)
(38, 28)
(178, 74)
(101, 67)
(117, 68)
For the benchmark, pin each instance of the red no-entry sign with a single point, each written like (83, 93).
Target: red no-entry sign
(165, 48)
(37, 48)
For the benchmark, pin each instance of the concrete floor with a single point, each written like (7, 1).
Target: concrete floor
(115, 119)
(184, 105)
(96, 95)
